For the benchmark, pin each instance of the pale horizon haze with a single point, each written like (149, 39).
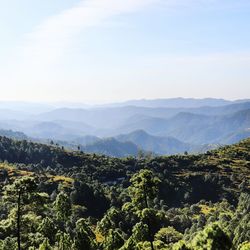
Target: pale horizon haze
(116, 50)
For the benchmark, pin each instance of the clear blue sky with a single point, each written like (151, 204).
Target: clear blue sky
(110, 50)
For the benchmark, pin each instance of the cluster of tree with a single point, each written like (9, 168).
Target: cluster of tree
(178, 202)
(31, 220)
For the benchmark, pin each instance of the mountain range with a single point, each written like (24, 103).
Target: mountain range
(163, 126)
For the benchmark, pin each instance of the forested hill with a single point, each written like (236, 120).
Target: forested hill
(171, 202)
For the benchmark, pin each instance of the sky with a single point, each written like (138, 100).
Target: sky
(116, 50)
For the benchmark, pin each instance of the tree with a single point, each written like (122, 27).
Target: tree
(181, 245)
(64, 241)
(62, 207)
(8, 244)
(211, 238)
(143, 190)
(45, 245)
(48, 229)
(168, 235)
(21, 193)
(84, 238)
(244, 246)
(110, 221)
(139, 234)
(113, 241)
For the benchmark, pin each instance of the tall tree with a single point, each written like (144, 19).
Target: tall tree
(21, 193)
(62, 206)
(211, 238)
(113, 240)
(143, 190)
(84, 238)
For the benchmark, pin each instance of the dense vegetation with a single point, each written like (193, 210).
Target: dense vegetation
(57, 199)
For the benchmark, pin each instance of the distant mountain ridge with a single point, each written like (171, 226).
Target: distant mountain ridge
(192, 128)
(112, 147)
(120, 146)
(178, 102)
(123, 129)
(157, 144)
(13, 134)
(112, 117)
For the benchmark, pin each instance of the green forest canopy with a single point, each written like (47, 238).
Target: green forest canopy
(57, 199)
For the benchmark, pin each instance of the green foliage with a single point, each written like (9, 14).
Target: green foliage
(139, 234)
(109, 221)
(63, 241)
(72, 201)
(84, 238)
(62, 206)
(48, 228)
(244, 246)
(113, 241)
(45, 245)
(181, 245)
(211, 238)
(168, 235)
(8, 244)
(144, 188)
(24, 187)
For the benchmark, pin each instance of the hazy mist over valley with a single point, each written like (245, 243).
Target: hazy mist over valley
(160, 126)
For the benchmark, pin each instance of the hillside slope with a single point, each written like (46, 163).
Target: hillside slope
(188, 198)
(112, 147)
(156, 144)
(222, 163)
(192, 128)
